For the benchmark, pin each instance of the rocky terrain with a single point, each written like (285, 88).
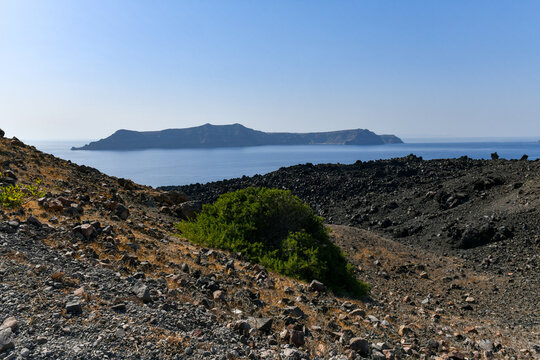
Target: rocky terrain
(447, 206)
(93, 270)
(483, 213)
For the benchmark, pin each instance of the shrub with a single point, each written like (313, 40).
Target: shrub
(35, 190)
(13, 195)
(277, 230)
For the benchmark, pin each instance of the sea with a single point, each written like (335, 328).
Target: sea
(158, 167)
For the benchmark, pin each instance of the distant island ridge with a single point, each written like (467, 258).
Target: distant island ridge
(235, 135)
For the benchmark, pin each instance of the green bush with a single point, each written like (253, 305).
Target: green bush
(13, 195)
(35, 190)
(277, 230)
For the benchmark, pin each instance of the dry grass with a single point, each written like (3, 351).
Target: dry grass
(16, 256)
(62, 278)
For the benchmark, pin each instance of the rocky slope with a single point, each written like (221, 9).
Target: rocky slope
(483, 213)
(92, 271)
(445, 205)
(212, 136)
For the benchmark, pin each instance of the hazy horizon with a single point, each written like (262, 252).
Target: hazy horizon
(408, 139)
(415, 69)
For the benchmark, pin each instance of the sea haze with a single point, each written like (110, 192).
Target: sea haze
(158, 167)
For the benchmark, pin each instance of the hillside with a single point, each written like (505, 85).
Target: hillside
(426, 203)
(236, 135)
(483, 214)
(92, 271)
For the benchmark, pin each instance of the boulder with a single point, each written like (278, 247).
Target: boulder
(33, 221)
(127, 184)
(293, 311)
(10, 174)
(242, 327)
(11, 323)
(218, 295)
(170, 198)
(122, 212)
(473, 237)
(296, 338)
(54, 205)
(317, 286)
(80, 292)
(6, 340)
(359, 345)
(229, 266)
(74, 308)
(260, 324)
(486, 345)
(87, 230)
(16, 142)
(189, 209)
(2, 133)
(7, 180)
(74, 210)
(64, 201)
(142, 292)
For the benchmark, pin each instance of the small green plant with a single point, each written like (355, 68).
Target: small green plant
(277, 230)
(35, 189)
(11, 196)
(14, 195)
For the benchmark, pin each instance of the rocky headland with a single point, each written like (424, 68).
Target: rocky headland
(235, 135)
(92, 269)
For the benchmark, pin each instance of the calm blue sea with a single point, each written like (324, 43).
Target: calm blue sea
(186, 166)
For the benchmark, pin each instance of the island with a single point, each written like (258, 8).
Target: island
(235, 135)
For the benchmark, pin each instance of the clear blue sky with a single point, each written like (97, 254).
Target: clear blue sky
(83, 69)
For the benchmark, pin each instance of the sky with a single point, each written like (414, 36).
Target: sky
(83, 69)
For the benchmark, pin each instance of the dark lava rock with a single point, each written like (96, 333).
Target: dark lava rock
(293, 311)
(73, 308)
(122, 212)
(359, 345)
(33, 221)
(475, 237)
(189, 209)
(317, 286)
(260, 324)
